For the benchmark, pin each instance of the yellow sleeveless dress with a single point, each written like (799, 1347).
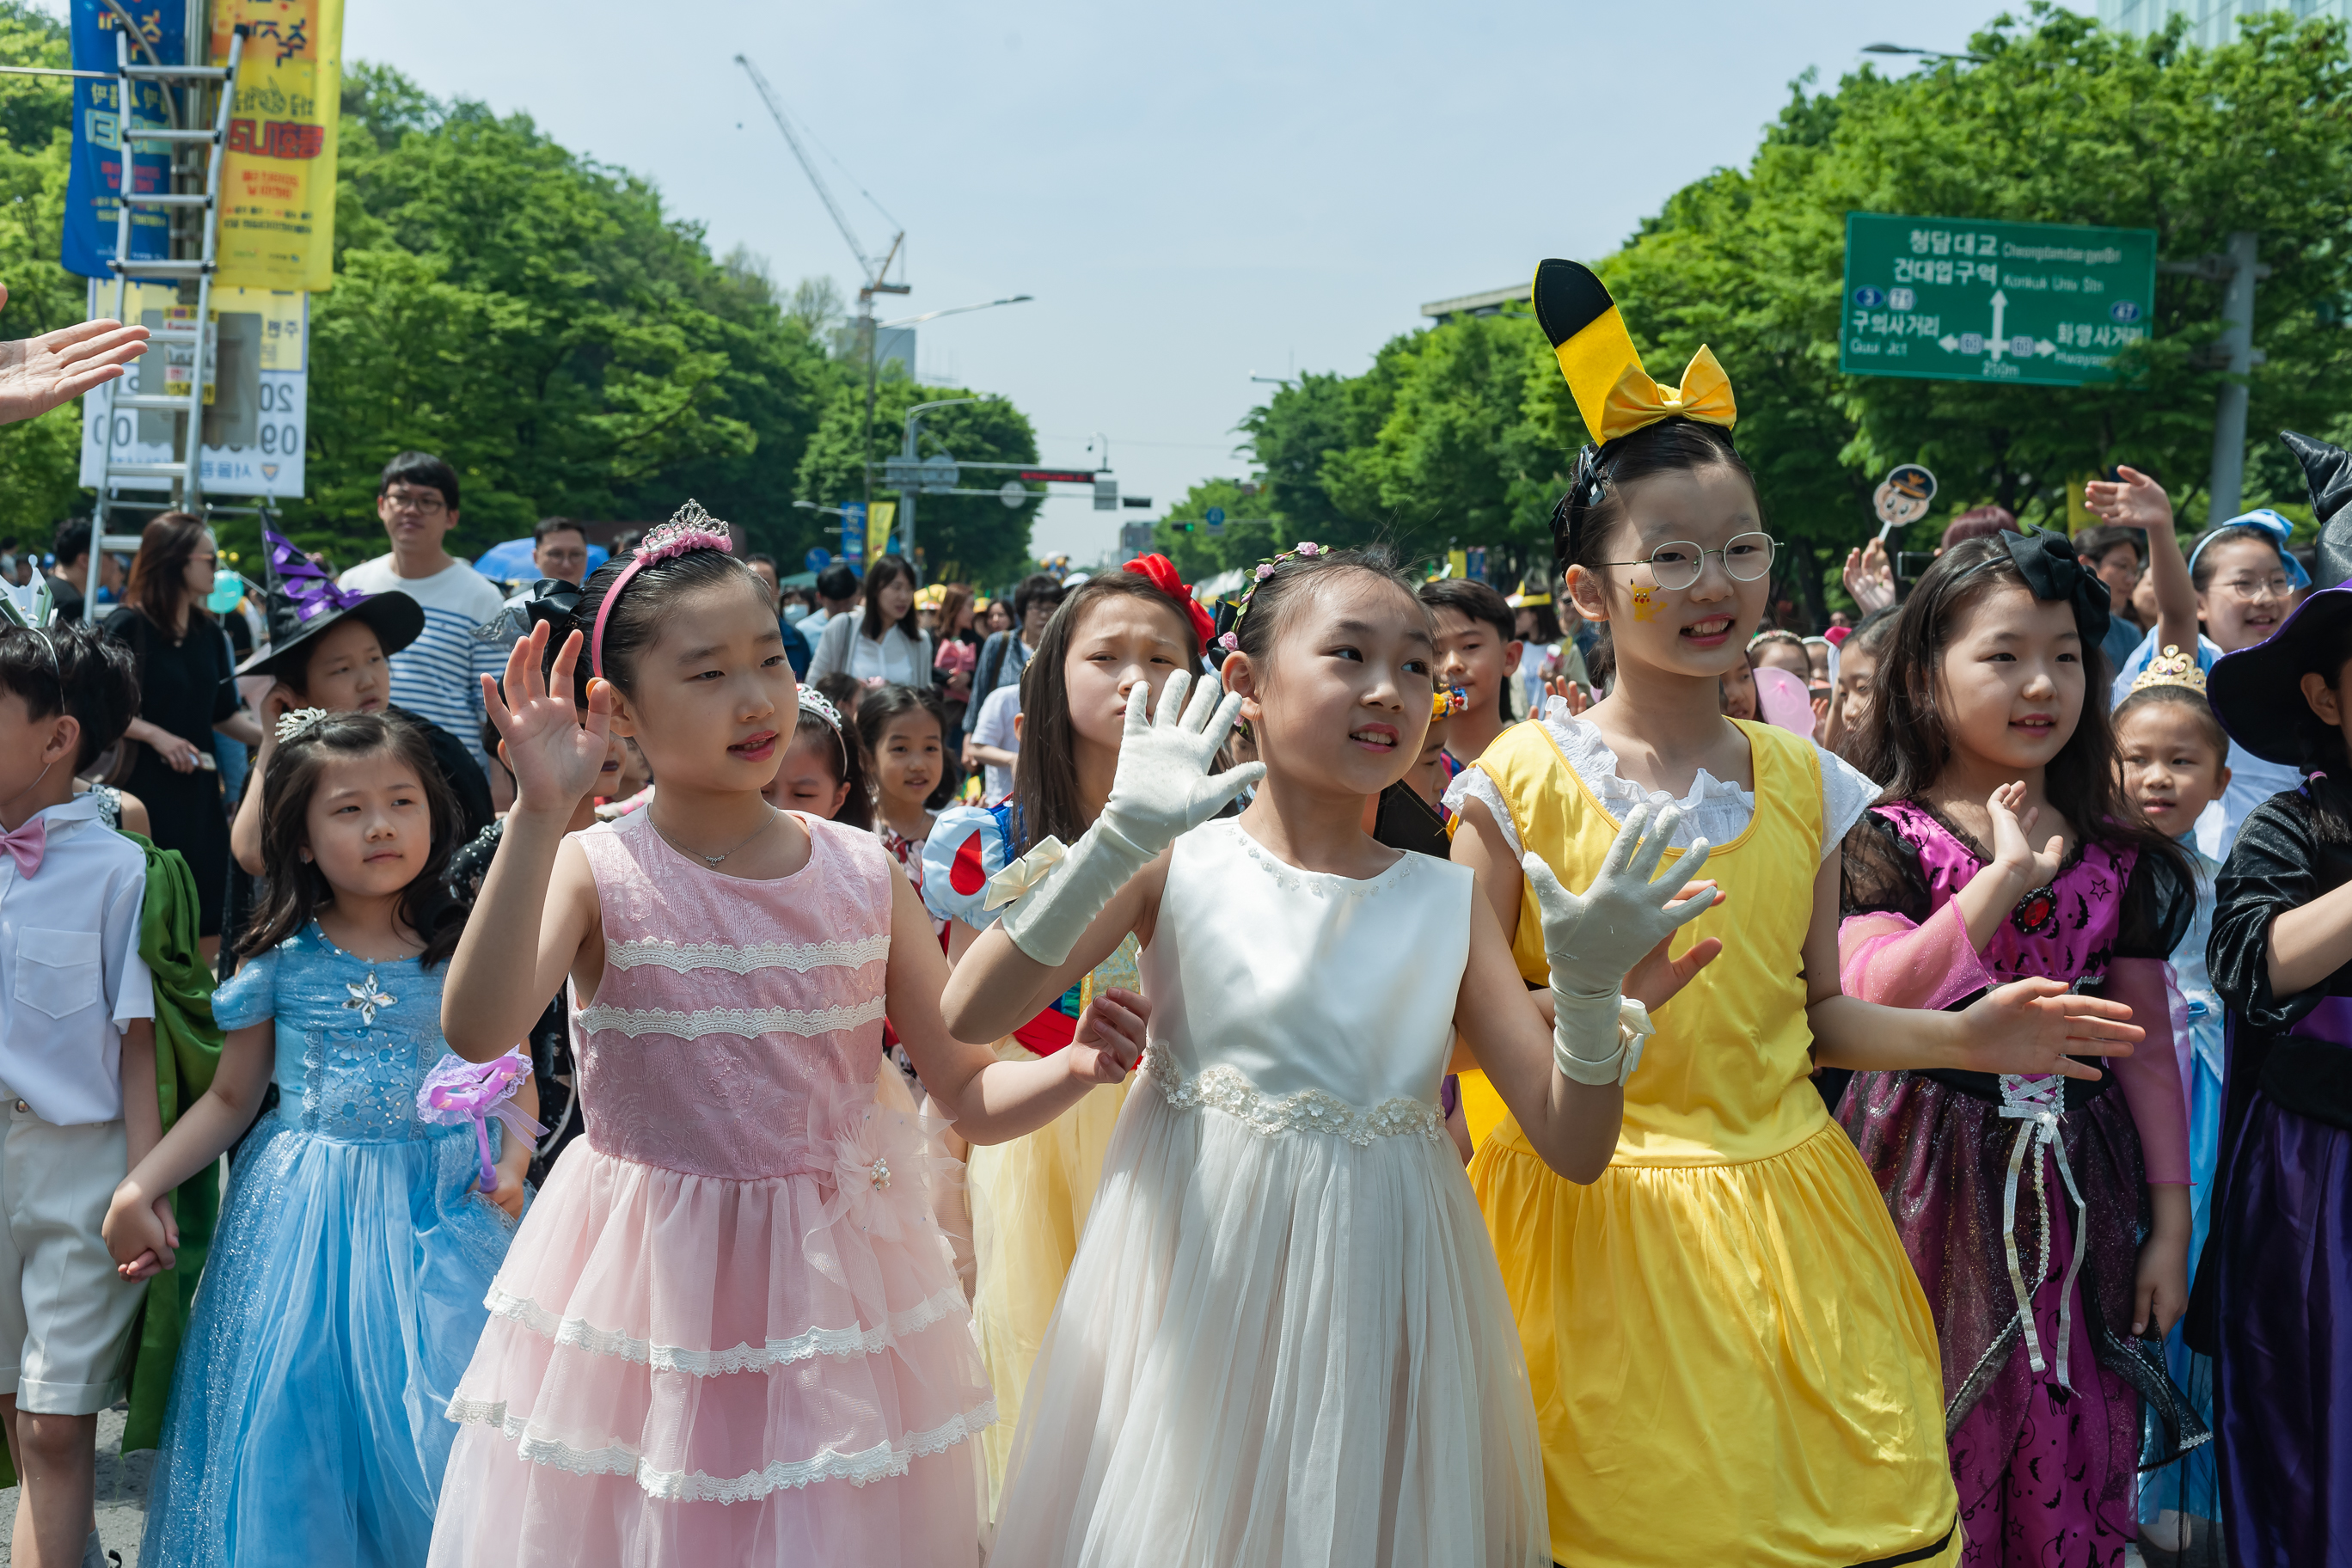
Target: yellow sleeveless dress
(1731, 1360)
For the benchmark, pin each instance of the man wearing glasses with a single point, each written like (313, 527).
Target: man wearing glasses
(433, 676)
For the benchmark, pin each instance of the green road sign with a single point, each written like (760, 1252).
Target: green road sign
(1947, 298)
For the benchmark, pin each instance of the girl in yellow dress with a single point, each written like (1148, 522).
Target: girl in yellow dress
(1731, 1359)
(1030, 1197)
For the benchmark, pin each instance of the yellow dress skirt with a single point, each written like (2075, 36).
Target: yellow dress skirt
(1030, 1198)
(1731, 1360)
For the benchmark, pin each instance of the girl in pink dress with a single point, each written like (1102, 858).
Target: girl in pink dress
(731, 1332)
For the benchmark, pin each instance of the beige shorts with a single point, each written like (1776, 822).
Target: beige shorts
(66, 1315)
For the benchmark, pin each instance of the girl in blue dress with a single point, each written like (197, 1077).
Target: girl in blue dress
(344, 1292)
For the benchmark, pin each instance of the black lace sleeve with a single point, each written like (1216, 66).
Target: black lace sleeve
(2158, 904)
(1879, 871)
(2273, 867)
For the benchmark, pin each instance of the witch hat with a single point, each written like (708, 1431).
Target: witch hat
(2328, 473)
(300, 600)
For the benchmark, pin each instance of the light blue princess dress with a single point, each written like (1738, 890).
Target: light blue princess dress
(345, 1288)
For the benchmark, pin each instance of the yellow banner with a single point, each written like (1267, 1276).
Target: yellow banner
(881, 521)
(278, 178)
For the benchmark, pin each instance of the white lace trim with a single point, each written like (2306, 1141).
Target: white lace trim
(1715, 809)
(1322, 884)
(747, 1022)
(838, 1344)
(880, 1462)
(799, 957)
(1225, 1090)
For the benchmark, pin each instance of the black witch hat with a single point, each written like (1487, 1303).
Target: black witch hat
(301, 601)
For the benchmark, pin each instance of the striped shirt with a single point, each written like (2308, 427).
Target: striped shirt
(434, 677)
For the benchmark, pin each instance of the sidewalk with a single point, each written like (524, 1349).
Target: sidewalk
(122, 1494)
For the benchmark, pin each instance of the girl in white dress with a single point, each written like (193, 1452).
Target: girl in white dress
(1284, 1339)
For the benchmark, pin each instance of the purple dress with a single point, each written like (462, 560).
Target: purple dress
(2273, 1298)
(2042, 1409)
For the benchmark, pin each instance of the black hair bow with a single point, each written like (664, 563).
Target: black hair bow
(2046, 561)
(550, 599)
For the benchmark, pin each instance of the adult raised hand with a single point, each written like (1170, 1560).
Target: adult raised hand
(39, 373)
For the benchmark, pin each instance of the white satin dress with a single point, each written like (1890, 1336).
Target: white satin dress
(1284, 1339)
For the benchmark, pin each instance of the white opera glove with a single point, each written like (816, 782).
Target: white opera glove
(1162, 789)
(1593, 940)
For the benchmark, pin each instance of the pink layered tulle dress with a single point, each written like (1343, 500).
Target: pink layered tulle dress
(730, 1331)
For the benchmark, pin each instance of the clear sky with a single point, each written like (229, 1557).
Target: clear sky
(1193, 192)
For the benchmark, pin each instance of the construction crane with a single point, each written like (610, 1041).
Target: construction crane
(874, 273)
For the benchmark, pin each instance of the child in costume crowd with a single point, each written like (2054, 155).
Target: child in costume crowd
(2173, 760)
(343, 1294)
(2274, 1298)
(904, 732)
(823, 770)
(1030, 1197)
(729, 1331)
(2003, 850)
(1284, 1340)
(76, 1070)
(1733, 1269)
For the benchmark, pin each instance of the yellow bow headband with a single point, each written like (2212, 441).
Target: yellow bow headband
(1596, 354)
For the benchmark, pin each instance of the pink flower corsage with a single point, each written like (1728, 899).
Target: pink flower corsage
(458, 1090)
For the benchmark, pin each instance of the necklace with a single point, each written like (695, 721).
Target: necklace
(712, 860)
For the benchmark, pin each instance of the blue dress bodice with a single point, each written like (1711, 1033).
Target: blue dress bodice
(355, 1037)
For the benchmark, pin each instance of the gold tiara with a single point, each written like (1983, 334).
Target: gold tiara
(2171, 668)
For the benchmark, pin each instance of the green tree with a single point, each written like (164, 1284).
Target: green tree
(975, 539)
(38, 458)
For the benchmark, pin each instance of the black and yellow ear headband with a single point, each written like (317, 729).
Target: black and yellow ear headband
(1612, 392)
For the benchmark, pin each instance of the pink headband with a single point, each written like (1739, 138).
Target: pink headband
(690, 530)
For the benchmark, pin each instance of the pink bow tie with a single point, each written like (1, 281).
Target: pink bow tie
(27, 845)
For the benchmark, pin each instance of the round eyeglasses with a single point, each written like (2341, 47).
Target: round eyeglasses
(1677, 562)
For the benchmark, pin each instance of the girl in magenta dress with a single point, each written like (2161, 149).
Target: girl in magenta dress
(736, 1335)
(2048, 1217)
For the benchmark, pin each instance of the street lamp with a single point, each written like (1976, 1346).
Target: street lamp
(907, 493)
(1931, 53)
(873, 331)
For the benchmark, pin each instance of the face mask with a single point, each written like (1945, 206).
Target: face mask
(228, 592)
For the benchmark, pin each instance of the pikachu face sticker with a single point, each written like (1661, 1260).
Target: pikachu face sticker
(1647, 602)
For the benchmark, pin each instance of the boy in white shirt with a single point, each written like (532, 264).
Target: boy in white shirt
(77, 1104)
(437, 677)
(996, 742)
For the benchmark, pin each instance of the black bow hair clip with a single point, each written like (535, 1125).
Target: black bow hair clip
(2046, 561)
(550, 599)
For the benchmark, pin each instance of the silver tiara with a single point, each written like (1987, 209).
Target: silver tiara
(299, 719)
(817, 702)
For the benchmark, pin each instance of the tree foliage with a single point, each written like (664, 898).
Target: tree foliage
(1466, 430)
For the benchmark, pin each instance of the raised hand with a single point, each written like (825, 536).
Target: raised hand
(555, 754)
(1567, 693)
(1593, 939)
(2012, 849)
(39, 373)
(2031, 1028)
(1109, 1037)
(1869, 577)
(2132, 500)
(1164, 788)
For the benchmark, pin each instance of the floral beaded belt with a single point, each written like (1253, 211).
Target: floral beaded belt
(1224, 1088)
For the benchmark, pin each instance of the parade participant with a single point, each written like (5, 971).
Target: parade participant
(1284, 1340)
(2274, 1298)
(343, 1292)
(2231, 591)
(729, 1331)
(1478, 651)
(1030, 1197)
(904, 732)
(77, 1067)
(1857, 672)
(2173, 757)
(2020, 1198)
(331, 648)
(823, 770)
(1736, 1244)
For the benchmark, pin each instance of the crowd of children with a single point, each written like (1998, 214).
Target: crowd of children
(1349, 1092)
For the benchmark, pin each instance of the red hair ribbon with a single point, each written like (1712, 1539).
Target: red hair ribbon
(1162, 572)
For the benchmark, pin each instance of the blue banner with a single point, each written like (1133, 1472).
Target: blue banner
(95, 177)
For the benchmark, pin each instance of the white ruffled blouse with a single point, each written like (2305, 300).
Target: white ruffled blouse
(1716, 810)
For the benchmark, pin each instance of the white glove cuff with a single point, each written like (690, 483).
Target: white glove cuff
(1047, 921)
(1597, 1040)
